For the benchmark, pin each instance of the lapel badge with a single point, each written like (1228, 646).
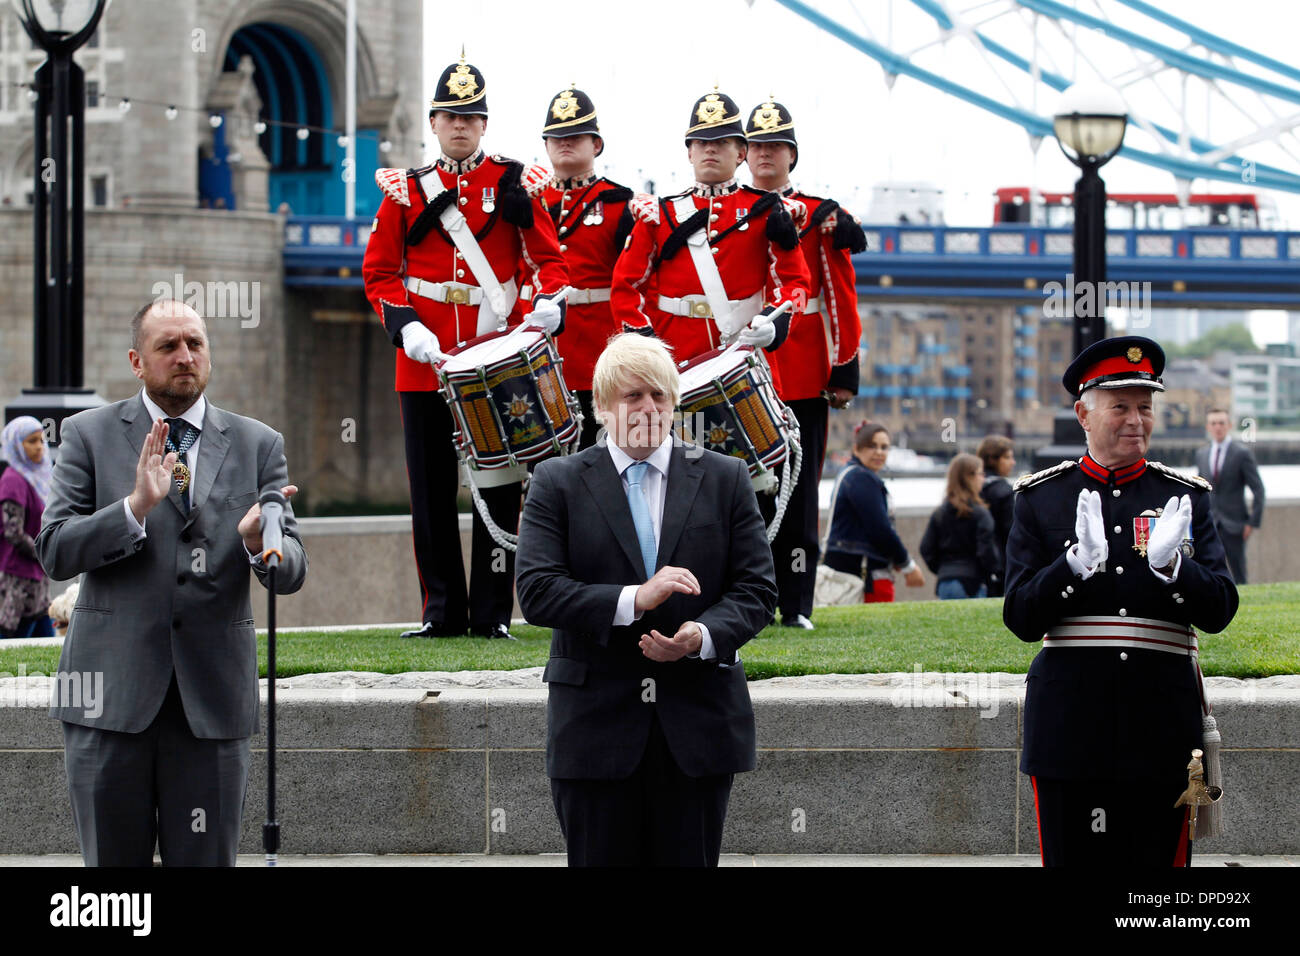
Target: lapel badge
(489, 199)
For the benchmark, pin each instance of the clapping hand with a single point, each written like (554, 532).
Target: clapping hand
(1092, 549)
(1171, 529)
(153, 472)
(688, 640)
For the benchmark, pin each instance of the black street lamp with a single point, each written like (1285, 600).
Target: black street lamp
(59, 27)
(1090, 128)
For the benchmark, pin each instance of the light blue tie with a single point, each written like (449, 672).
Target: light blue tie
(645, 529)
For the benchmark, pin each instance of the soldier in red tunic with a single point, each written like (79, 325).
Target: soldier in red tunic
(592, 219)
(439, 270)
(664, 283)
(818, 364)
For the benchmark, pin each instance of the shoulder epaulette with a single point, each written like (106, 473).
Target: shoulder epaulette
(535, 179)
(1194, 481)
(1040, 476)
(392, 182)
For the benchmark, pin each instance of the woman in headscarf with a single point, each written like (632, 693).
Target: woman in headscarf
(24, 488)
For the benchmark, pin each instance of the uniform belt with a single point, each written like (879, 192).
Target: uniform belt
(697, 306)
(575, 296)
(452, 293)
(1140, 633)
(813, 306)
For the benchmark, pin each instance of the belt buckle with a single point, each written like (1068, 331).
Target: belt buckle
(458, 296)
(701, 310)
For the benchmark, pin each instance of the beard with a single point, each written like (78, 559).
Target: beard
(181, 394)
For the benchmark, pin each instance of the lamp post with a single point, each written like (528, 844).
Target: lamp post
(59, 27)
(1089, 127)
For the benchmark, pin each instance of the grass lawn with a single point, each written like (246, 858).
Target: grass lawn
(936, 635)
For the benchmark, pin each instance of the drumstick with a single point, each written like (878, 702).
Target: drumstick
(781, 309)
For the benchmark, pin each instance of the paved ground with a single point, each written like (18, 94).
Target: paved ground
(730, 859)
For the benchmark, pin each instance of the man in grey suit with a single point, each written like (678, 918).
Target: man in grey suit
(155, 504)
(1230, 467)
(649, 560)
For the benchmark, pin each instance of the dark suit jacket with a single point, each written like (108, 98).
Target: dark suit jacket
(577, 551)
(178, 599)
(1228, 500)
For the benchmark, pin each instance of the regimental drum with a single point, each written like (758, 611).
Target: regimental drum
(728, 405)
(509, 404)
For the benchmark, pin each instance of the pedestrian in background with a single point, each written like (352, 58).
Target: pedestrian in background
(1231, 469)
(959, 544)
(862, 540)
(24, 488)
(997, 452)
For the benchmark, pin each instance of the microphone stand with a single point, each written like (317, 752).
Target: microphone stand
(272, 530)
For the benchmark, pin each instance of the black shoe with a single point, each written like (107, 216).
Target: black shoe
(493, 632)
(797, 620)
(435, 629)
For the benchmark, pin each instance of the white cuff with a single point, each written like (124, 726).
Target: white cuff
(907, 568)
(1178, 563)
(136, 528)
(1076, 564)
(253, 559)
(625, 613)
(707, 651)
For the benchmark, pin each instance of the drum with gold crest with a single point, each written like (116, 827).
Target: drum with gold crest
(729, 405)
(509, 404)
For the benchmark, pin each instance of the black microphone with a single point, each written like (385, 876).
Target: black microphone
(272, 520)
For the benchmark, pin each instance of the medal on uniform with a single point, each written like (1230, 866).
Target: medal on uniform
(595, 215)
(181, 475)
(1186, 547)
(741, 215)
(1141, 534)
(489, 198)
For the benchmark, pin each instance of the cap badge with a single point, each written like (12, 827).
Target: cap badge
(1134, 355)
(711, 110)
(565, 106)
(462, 82)
(766, 117)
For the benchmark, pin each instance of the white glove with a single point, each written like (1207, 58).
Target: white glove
(546, 315)
(1092, 550)
(1171, 529)
(760, 333)
(420, 344)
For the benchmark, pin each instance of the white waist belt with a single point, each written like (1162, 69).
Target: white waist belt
(452, 293)
(697, 306)
(1141, 633)
(814, 305)
(575, 296)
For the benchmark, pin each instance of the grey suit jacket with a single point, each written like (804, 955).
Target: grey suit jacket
(1228, 500)
(178, 600)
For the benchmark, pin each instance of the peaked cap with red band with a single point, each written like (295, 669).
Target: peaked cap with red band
(1126, 361)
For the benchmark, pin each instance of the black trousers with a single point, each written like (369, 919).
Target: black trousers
(433, 472)
(1112, 823)
(590, 426)
(1234, 549)
(162, 784)
(795, 548)
(656, 817)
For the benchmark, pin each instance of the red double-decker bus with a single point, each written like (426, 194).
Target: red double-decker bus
(1139, 210)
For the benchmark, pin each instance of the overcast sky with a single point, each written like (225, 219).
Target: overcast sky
(645, 65)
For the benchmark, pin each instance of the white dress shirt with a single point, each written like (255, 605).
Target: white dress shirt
(654, 485)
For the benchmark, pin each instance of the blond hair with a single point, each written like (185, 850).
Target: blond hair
(630, 354)
(61, 607)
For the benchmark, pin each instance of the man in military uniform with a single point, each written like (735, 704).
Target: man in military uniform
(440, 270)
(696, 267)
(817, 367)
(1112, 561)
(592, 219)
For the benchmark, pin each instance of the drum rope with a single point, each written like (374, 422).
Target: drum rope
(502, 537)
(789, 470)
